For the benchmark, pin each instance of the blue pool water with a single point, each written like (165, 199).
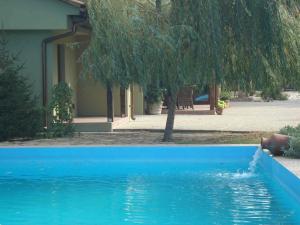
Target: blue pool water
(144, 185)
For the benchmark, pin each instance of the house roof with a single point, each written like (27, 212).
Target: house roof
(77, 3)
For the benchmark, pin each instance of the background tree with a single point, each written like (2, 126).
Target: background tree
(243, 43)
(115, 54)
(19, 115)
(290, 16)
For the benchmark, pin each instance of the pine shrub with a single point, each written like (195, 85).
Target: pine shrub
(294, 141)
(20, 116)
(273, 93)
(294, 150)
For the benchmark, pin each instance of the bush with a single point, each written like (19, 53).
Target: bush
(61, 111)
(294, 149)
(221, 104)
(226, 95)
(19, 115)
(291, 131)
(153, 94)
(273, 93)
(294, 141)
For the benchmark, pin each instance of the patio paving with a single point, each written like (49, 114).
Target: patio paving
(241, 116)
(292, 165)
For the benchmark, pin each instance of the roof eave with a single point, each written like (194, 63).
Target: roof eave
(76, 3)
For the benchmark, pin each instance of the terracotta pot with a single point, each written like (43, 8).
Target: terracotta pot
(277, 143)
(219, 111)
(155, 108)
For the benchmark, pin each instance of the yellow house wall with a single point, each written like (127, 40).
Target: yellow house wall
(54, 72)
(71, 73)
(91, 98)
(90, 94)
(117, 100)
(128, 102)
(138, 100)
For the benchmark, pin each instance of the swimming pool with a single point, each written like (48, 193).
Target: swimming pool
(145, 185)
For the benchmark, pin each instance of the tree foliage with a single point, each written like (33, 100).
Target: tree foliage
(19, 115)
(242, 42)
(245, 44)
(290, 16)
(112, 49)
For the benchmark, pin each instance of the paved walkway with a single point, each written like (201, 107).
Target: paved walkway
(292, 165)
(241, 116)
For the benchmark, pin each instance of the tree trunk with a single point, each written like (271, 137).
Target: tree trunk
(217, 94)
(158, 5)
(168, 134)
(110, 103)
(212, 96)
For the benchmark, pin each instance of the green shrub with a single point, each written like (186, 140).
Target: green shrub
(19, 115)
(226, 95)
(291, 131)
(153, 94)
(221, 104)
(294, 140)
(61, 111)
(273, 93)
(294, 149)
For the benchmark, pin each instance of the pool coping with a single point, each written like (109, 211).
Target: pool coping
(127, 145)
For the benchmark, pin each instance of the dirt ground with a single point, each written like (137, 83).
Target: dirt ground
(145, 138)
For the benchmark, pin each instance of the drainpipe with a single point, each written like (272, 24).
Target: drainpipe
(45, 42)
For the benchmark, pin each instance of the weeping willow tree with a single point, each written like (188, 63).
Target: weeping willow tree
(123, 44)
(174, 43)
(290, 15)
(241, 43)
(133, 41)
(109, 48)
(256, 44)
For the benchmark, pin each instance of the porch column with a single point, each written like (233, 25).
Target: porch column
(132, 102)
(110, 103)
(123, 101)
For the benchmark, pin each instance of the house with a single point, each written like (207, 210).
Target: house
(43, 33)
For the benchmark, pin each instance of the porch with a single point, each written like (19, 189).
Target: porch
(96, 107)
(188, 105)
(97, 124)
